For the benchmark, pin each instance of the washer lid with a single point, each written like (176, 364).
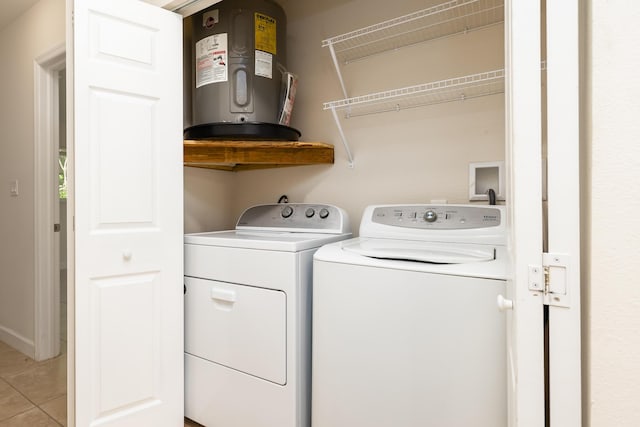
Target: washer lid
(430, 252)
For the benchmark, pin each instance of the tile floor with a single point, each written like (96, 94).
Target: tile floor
(34, 394)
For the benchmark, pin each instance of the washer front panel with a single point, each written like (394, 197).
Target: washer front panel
(403, 348)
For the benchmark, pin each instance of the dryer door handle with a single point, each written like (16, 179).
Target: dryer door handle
(223, 295)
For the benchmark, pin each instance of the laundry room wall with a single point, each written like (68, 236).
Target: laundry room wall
(610, 222)
(208, 196)
(411, 156)
(37, 31)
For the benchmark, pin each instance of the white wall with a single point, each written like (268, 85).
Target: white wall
(612, 312)
(38, 30)
(411, 156)
(207, 200)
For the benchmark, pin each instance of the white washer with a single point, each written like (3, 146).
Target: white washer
(406, 331)
(248, 314)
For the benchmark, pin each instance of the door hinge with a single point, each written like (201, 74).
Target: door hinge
(550, 279)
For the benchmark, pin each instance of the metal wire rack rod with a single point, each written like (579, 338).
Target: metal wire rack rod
(446, 19)
(396, 21)
(480, 79)
(413, 36)
(459, 88)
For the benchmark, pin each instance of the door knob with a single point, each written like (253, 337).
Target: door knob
(504, 304)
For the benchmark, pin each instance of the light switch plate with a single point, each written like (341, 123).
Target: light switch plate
(13, 187)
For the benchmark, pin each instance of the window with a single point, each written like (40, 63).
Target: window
(62, 173)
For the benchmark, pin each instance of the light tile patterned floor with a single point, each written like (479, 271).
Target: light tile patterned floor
(34, 394)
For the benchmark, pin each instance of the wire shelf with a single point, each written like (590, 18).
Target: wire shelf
(445, 19)
(455, 89)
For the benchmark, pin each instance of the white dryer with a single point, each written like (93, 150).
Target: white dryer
(248, 315)
(406, 331)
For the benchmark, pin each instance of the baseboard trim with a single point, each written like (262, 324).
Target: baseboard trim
(17, 341)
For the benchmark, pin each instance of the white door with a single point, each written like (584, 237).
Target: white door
(127, 197)
(563, 172)
(524, 177)
(531, 294)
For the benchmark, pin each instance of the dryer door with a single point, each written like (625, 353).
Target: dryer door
(240, 327)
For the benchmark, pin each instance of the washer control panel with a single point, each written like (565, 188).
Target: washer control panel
(296, 217)
(437, 217)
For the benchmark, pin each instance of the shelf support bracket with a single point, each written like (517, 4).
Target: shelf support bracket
(337, 65)
(344, 139)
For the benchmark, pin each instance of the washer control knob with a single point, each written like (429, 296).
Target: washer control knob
(287, 212)
(324, 212)
(309, 213)
(430, 216)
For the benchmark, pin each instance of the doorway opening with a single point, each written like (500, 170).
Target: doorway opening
(50, 265)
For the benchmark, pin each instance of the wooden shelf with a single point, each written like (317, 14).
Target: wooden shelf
(244, 155)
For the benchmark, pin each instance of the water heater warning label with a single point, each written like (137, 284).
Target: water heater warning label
(265, 33)
(211, 60)
(264, 64)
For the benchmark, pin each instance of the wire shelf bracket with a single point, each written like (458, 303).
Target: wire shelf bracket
(343, 137)
(337, 65)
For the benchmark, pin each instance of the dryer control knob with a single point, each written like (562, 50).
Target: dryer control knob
(324, 213)
(287, 212)
(430, 216)
(309, 213)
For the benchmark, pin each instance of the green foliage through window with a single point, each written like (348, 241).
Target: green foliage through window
(62, 174)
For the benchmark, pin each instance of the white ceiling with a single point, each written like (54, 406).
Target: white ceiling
(11, 9)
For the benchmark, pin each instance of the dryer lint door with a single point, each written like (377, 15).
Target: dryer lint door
(240, 327)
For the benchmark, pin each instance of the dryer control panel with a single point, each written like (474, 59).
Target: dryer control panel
(295, 217)
(437, 217)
